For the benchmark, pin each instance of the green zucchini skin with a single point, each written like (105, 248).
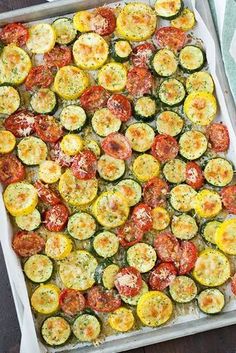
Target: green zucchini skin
(118, 176)
(58, 345)
(50, 262)
(204, 228)
(98, 251)
(139, 115)
(175, 297)
(216, 291)
(51, 110)
(173, 102)
(175, 15)
(115, 55)
(172, 57)
(73, 37)
(197, 68)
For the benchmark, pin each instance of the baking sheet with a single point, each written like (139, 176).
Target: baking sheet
(188, 324)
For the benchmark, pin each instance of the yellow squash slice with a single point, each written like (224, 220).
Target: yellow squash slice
(226, 236)
(122, 319)
(42, 38)
(200, 108)
(45, 299)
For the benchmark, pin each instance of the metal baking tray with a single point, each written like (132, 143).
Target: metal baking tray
(145, 336)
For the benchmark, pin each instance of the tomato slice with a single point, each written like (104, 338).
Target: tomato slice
(165, 148)
(155, 192)
(142, 217)
(194, 175)
(84, 165)
(218, 137)
(46, 194)
(139, 81)
(129, 234)
(94, 98)
(48, 129)
(21, 123)
(117, 146)
(11, 169)
(188, 257)
(103, 301)
(142, 54)
(55, 218)
(103, 21)
(120, 106)
(58, 57)
(162, 276)
(27, 243)
(171, 37)
(228, 195)
(57, 155)
(167, 247)
(233, 284)
(38, 77)
(71, 301)
(128, 281)
(15, 33)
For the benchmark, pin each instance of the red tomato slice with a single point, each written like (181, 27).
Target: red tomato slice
(38, 77)
(59, 156)
(58, 57)
(165, 148)
(228, 195)
(46, 194)
(142, 217)
(71, 301)
(171, 37)
(155, 192)
(27, 243)
(104, 21)
(120, 106)
(142, 54)
(188, 257)
(194, 175)
(162, 276)
(47, 128)
(218, 137)
(139, 81)
(129, 234)
(55, 218)
(128, 281)
(94, 98)
(167, 247)
(117, 146)
(15, 33)
(11, 169)
(103, 301)
(84, 165)
(233, 284)
(21, 123)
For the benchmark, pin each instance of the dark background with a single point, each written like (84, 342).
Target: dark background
(216, 341)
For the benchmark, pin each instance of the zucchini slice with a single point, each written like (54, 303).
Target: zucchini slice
(211, 301)
(71, 144)
(146, 167)
(49, 172)
(218, 172)
(134, 300)
(7, 141)
(184, 227)
(175, 171)
(168, 9)
(141, 256)
(93, 146)
(120, 50)
(58, 246)
(9, 100)
(110, 168)
(196, 148)
(200, 82)
(121, 320)
(77, 271)
(32, 151)
(171, 92)
(30, 221)
(183, 289)
(131, 190)
(65, 31)
(160, 218)
(182, 198)
(38, 268)
(44, 101)
(207, 203)
(200, 108)
(42, 38)
(81, 226)
(55, 331)
(170, 123)
(45, 299)
(226, 236)
(209, 229)
(105, 274)
(73, 118)
(164, 63)
(185, 21)
(154, 308)
(212, 268)
(145, 108)
(104, 122)
(113, 76)
(105, 244)
(90, 51)
(191, 58)
(86, 328)
(140, 136)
